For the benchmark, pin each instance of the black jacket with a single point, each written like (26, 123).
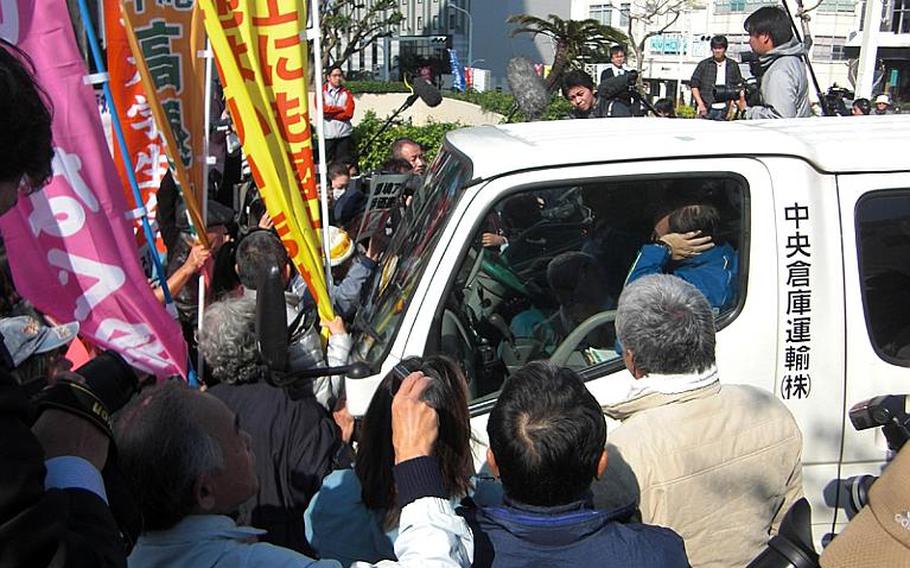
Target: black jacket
(705, 77)
(295, 442)
(58, 527)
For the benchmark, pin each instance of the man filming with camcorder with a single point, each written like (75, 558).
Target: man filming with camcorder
(717, 82)
(784, 86)
(618, 86)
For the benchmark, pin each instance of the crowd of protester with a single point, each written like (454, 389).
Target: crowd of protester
(251, 470)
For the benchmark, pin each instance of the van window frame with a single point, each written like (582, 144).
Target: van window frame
(873, 194)
(484, 404)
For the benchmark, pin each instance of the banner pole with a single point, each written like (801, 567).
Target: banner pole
(124, 152)
(207, 105)
(316, 36)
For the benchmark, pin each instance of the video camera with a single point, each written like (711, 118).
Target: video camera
(892, 415)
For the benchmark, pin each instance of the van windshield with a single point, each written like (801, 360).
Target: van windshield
(406, 256)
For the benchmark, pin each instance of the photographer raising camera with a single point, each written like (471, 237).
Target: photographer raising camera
(784, 85)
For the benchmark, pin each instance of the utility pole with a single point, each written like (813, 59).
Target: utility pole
(868, 51)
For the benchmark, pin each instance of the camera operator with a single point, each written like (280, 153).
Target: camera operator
(53, 505)
(618, 85)
(784, 85)
(714, 80)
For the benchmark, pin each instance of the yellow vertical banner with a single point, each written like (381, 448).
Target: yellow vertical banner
(261, 56)
(166, 40)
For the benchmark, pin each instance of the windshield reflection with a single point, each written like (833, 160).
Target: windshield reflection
(406, 257)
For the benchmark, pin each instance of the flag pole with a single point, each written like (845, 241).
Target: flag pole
(207, 55)
(104, 78)
(315, 34)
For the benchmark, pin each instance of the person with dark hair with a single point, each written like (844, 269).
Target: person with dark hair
(719, 464)
(547, 435)
(294, 439)
(338, 110)
(784, 84)
(407, 149)
(256, 254)
(683, 245)
(861, 107)
(53, 505)
(715, 72)
(347, 202)
(578, 89)
(355, 514)
(617, 63)
(665, 108)
(190, 464)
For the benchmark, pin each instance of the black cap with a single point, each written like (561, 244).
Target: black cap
(218, 214)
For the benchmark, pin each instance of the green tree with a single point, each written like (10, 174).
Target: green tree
(349, 27)
(577, 42)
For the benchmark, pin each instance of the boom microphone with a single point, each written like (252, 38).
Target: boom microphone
(527, 87)
(429, 94)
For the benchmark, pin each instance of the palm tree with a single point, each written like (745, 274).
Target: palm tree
(577, 41)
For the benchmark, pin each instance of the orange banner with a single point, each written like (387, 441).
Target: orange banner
(166, 40)
(143, 140)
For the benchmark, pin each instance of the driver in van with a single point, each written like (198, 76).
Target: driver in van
(684, 245)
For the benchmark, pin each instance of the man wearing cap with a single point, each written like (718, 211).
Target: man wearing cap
(36, 349)
(883, 105)
(879, 535)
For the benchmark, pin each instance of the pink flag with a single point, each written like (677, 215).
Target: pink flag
(71, 245)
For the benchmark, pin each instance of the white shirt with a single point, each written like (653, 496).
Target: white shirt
(720, 80)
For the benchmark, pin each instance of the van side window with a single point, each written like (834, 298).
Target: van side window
(544, 270)
(883, 234)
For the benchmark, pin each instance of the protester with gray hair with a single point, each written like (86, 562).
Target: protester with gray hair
(190, 464)
(719, 464)
(295, 441)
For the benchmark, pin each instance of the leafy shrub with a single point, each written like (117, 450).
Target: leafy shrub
(429, 136)
(376, 87)
(685, 111)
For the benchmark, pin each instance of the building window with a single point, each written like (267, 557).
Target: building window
(882, 218)
(453, 21)
(832, 6)
(603, 13)
(435, 25)
(900, 17)
(624, 14)
(740, 6)
(419, 23)
(828, 48)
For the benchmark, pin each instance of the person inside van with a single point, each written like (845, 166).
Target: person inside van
(683, 245)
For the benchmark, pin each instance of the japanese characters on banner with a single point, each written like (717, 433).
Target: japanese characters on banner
(143, 140)
(166, 37)
(262, 63)
(797, 382)
(72, 250)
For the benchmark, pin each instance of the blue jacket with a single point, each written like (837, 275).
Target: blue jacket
(570, 535)
(713, 272)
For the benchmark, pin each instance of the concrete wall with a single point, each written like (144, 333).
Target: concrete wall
(451, 110)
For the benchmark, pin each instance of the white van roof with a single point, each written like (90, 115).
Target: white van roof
(830, 144)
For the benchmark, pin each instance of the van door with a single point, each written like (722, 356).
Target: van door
(876, 236)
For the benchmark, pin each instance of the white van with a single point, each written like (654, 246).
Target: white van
(817, 211)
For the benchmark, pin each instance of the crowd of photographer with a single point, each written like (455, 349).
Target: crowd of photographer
(778, 86)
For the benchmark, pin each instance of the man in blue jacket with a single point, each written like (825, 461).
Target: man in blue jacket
(684, 246)
(547, 436)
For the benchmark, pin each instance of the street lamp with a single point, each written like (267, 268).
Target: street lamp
(470, 30)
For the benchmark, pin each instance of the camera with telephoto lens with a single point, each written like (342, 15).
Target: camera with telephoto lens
(723, 93)
(891, 414)
(109, 384)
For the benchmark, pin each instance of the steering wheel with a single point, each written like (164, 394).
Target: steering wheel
(570, 343)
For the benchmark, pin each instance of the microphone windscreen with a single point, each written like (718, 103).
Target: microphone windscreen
(527, 87)
(429, 94)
